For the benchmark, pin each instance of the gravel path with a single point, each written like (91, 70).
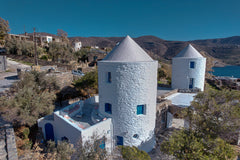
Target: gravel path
(8, 78)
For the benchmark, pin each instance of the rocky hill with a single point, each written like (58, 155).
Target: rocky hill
(225, 50)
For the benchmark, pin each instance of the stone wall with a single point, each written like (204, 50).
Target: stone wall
(161, 116)
(3, 63)
(8, 150)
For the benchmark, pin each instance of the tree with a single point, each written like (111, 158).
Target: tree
(63, 150)
(4, 28)
(214, 120)
(60, 51)
(32, 98)
(63, 35)
(161, 74)
(189, 144)
(88, 84)
(82, 54)
(19, 47)
(133, 153)
(216, 113)
(92, 149)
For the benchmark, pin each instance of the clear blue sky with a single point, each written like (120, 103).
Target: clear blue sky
(166, 19)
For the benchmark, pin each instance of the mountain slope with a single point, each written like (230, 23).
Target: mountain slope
(224, 49)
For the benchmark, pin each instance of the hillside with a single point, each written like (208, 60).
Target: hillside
(225, 50)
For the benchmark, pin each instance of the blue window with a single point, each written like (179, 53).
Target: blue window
(108, 108)
(119, 140)
(109, 77)
(192, 64)
(140, 109)
(101, 143)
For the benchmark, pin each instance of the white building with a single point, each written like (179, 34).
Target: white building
(47, 39)
(78, 121)
(77, 46)
(127, 79)
(188, 69)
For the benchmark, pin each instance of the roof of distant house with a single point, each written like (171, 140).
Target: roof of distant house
(189, 52)
(127, 51)
(42, 34)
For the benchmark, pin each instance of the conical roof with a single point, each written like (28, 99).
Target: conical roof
(189, 52)
(127, 51)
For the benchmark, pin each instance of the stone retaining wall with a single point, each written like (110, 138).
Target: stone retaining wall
(8, 150)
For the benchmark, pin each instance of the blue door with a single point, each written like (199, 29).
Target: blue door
(119, 140)
(191, 83)
(49, 132)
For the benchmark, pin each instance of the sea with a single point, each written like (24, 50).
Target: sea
(229, 71)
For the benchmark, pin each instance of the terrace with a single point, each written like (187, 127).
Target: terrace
(81, 115)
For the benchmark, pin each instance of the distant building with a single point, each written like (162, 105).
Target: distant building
(77, 46)
(3, 63)
(47, 39)
(19, 37)
(41, 38)
(188, 69)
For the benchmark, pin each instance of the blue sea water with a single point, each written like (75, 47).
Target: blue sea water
(230, 71)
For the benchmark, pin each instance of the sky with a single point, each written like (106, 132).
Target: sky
(167, 19)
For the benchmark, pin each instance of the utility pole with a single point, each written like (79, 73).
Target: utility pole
(35, 47)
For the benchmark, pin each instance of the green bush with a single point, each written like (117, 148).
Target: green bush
(26, 133)
(44, 57)
(133, 153)
(88, 84)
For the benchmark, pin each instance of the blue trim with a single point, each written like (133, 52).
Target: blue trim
(140, 109)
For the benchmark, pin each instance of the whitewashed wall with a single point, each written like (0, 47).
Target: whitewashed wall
(77, 46)
(63, 128)
(133, 83)
(181, 73)
(100, 129)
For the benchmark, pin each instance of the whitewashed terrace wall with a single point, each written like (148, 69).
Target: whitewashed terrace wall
(100, 129)
(133, 83)
(63, 128)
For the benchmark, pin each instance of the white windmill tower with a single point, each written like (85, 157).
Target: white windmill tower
(188, 69)
(127, 79)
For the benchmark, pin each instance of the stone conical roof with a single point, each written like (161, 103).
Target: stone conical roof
(189, 52)
(127, 51)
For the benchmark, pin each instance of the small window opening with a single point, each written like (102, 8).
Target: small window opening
(135, 136)
(109, 77)
(108, 108)
(141, 109)
(192, 64)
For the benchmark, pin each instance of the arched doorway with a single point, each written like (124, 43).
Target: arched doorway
(49, 132)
